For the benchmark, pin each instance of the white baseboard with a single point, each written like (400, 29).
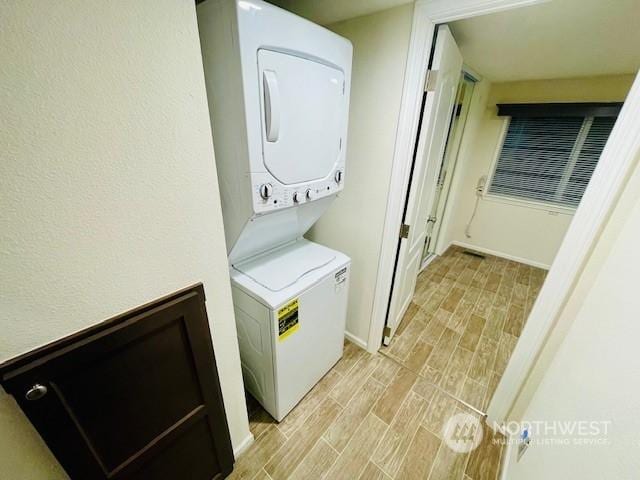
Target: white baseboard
(506, 256)
(357, 340)
(244, 444)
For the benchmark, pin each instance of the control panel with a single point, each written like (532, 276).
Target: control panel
(269, 195)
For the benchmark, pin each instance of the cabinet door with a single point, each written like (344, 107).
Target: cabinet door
(135, 398)
(303, 115)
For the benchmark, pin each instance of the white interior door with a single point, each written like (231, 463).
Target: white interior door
(439, 103)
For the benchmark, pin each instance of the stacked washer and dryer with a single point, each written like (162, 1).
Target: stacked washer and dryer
(278, 89)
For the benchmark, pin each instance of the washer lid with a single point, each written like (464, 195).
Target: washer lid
(285, 266)
(303, 113)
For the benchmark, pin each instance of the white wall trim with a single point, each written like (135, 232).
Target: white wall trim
(357, 340)
(426, 14)
(417, 60)
(244, 445)
(507, 455)
(506, 256)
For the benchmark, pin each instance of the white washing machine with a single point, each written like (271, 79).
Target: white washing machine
(290, 309)
(278, 89)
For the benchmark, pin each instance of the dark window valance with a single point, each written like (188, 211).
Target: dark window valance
(531, 110)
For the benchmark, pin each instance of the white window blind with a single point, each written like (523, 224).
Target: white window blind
(549, 159)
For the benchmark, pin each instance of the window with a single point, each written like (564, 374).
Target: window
(549, 159)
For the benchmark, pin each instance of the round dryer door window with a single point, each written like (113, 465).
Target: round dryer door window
(303, 110)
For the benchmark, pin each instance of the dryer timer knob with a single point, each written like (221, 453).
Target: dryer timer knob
(339, 176)
(266, 190)
(297, 197)
(310, 194)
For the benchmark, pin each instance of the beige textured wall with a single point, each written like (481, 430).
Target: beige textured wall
(592, 372)
(109, 195)
(354, 223)
(531, 234)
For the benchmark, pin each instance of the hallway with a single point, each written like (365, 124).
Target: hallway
(464, 322)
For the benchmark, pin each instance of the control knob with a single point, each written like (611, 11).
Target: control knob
(310, 194)
(339, 176)
(297, 197)
(266, 190)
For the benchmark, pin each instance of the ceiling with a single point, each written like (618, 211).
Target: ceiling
(557, 39)
(325, 12)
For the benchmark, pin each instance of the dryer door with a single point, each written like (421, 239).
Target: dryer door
(303, 110)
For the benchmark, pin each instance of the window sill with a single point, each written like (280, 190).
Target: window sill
(547, 207)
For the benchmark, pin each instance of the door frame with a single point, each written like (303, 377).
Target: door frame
(609, 178)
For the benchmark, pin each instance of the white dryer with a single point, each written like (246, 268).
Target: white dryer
(278, 89)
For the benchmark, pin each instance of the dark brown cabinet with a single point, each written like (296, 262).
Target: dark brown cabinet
(136, 397)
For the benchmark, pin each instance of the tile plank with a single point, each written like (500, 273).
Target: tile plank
(386, 371)
(394, 395)
(442, 406)
(424, 388)
(515, 320)
(341, 431)
(456, 372)
(495, 323)
(474, 393)
(350, 356)
(260, 422)
(472, 333)
(418, 355)
(317, 463)
(420, 457)
(433, 330)
(350, 383)
(390, 453)
(408, 316)
(483, 360)
(451, 301)
(291, 454)
(401, 346)
(484, 461)
(250, 463)
(443, 350)
(449, 465)
(505, 348)
(356, 454)
(373, 472)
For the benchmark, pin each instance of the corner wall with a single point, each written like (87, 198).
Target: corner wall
(355, 221)
(592, 374)
(109, 194)
(527, 233)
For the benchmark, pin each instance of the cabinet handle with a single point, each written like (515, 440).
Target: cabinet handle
(36, 392)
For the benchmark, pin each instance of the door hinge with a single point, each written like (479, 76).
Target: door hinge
(430, 81)
(404, 230)
(387, 331)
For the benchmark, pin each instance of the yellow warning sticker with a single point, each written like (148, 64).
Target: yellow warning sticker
(288, 320)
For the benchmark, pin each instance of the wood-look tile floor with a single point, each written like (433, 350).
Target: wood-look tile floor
(369, 418)
(464, 322)
(380, 417)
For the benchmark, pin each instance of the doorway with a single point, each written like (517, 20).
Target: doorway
(447, 167)
(481, 275)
